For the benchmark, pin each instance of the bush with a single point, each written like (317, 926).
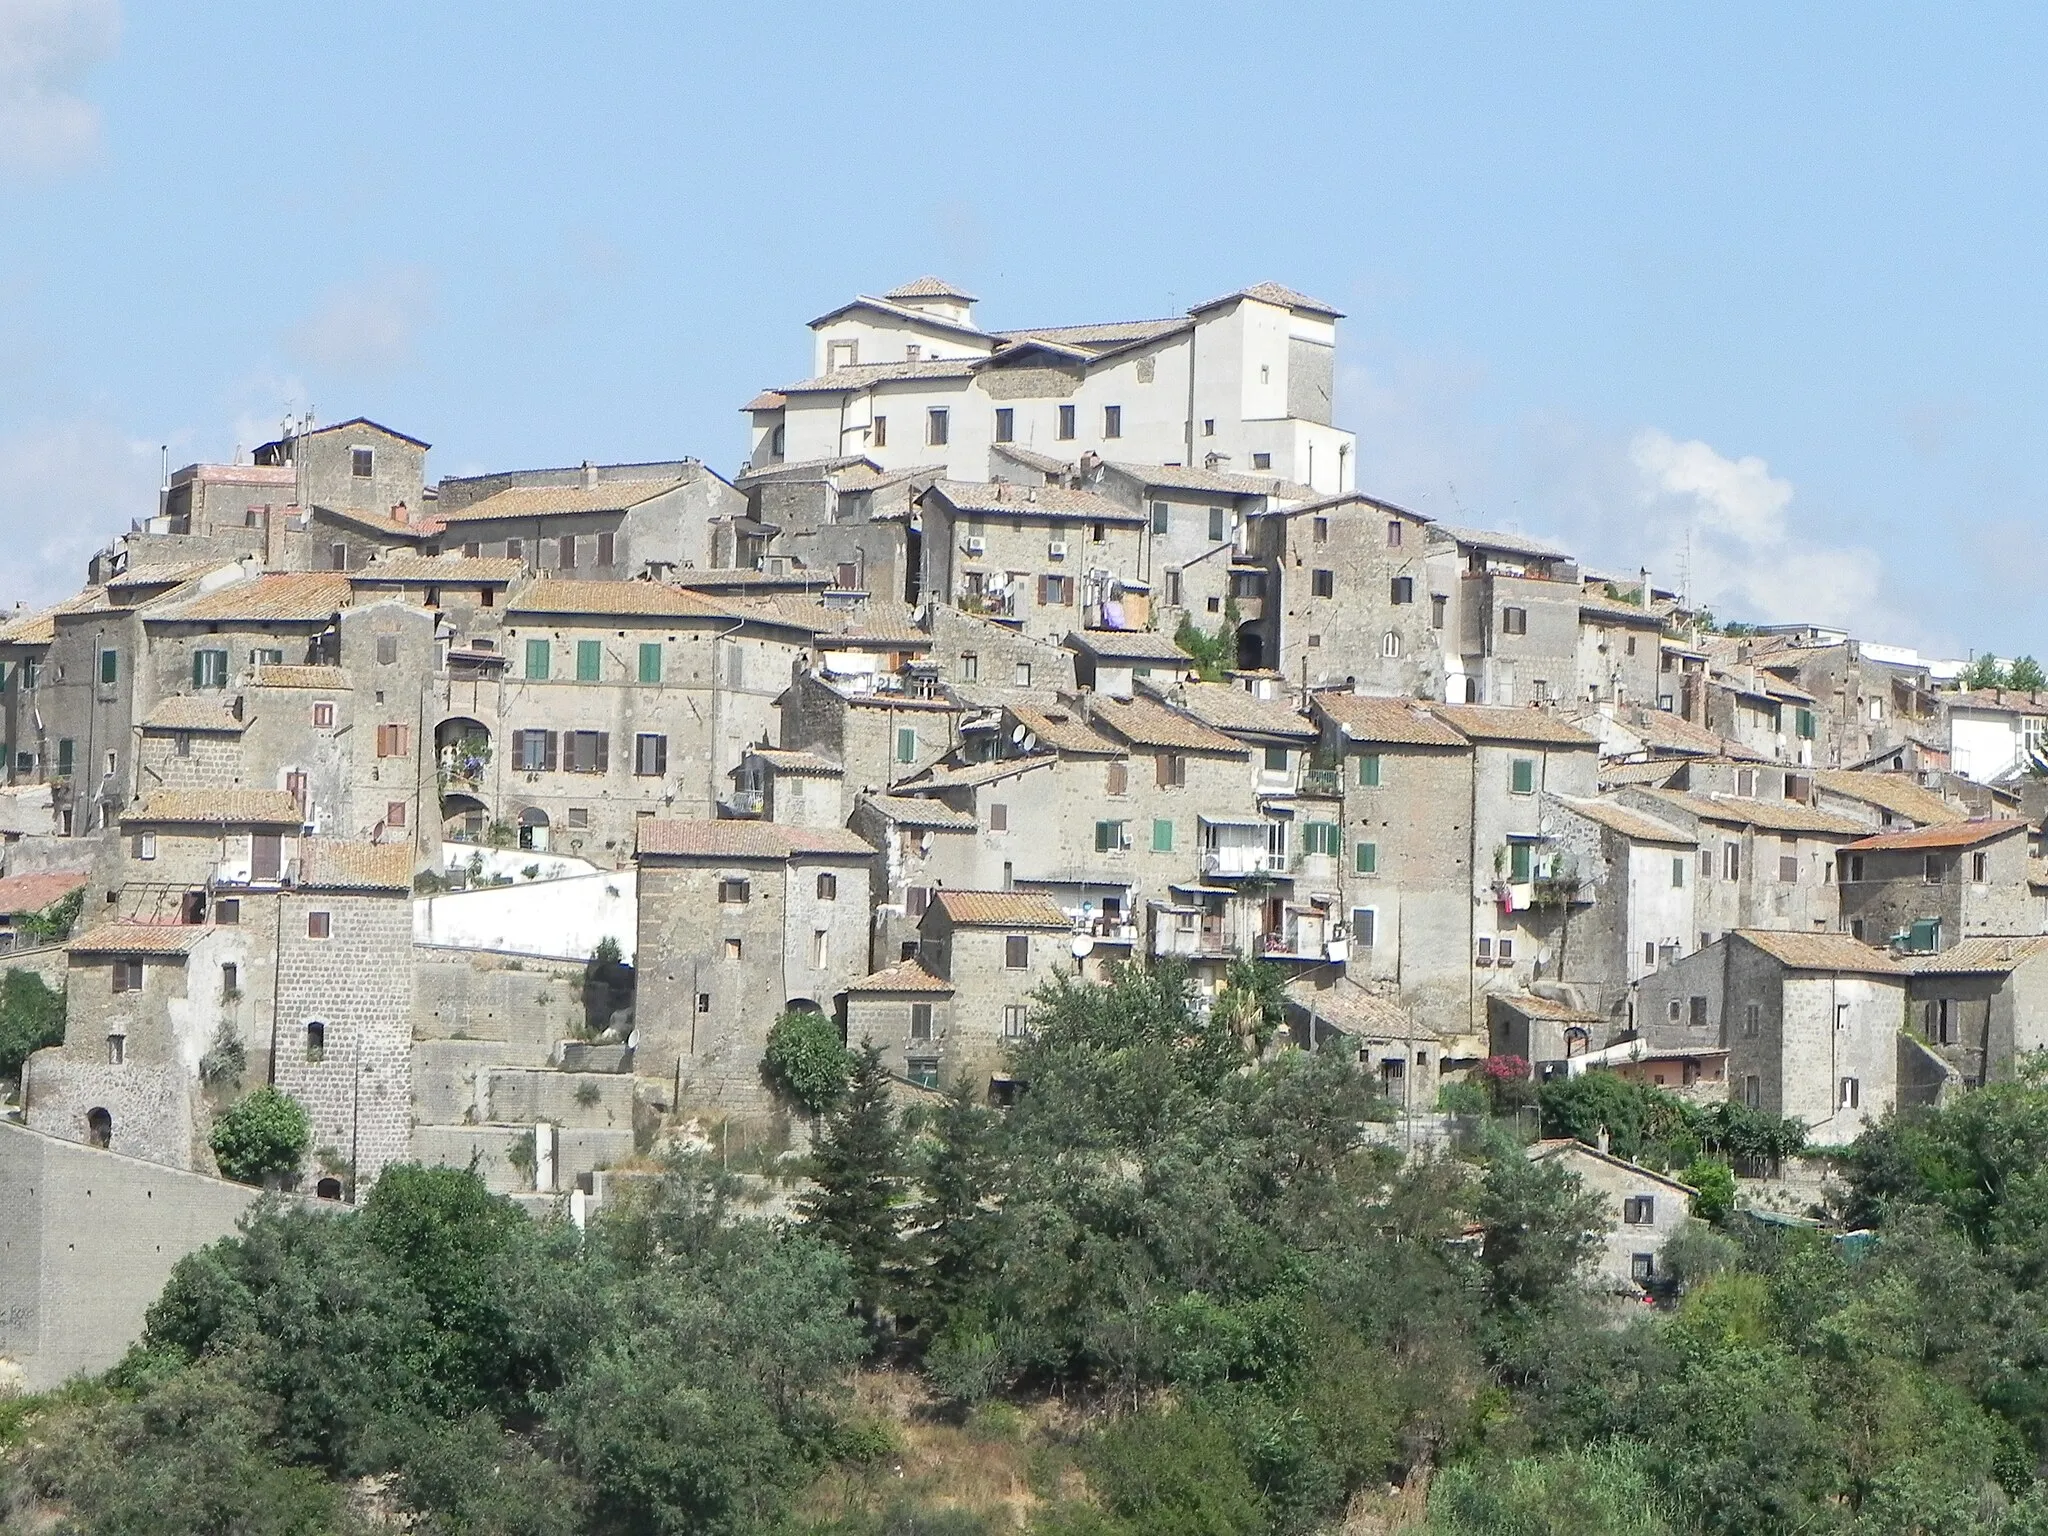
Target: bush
(806, 1060)
(263, 1135)
(31, 1017)
(1714, 1182)
(1461, 1098)
(1175, 1474)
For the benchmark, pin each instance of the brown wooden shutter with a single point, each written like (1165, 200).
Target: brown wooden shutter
(661, 754)
(547, 757)
(604, 749)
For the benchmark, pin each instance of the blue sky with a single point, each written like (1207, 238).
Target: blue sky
(1761, 282)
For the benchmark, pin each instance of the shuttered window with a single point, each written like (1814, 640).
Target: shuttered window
(537, 657)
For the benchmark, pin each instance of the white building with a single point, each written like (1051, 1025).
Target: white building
(1243, 383)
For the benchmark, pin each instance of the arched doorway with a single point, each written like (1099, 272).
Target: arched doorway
(533, 829)
(464, 819)
(1251, 650)
(99, 1128)
(462, 753)
(327, 1189)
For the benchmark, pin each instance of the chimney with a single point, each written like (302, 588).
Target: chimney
(273, 537)
(401, 513)
(589, 475)
(1646, 586)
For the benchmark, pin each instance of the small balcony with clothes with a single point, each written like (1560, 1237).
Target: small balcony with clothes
(1195, 924)
(1244, 847)
(462, 756)
(992, 594)
(1311, 931)
(1248, 591)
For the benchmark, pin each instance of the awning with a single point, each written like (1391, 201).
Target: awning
(1203, 890)
(1026, 882)
(1233, 821)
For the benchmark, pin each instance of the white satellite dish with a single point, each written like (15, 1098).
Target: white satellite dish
(1030, 742)
(1018, 735)
(1083, 945)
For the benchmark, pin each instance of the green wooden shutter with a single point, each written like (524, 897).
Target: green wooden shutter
(537, 656)
(650, 661)
(589, 660)
(1162, 836)
(1520, 862)
(1368, 858)
(1369, 771)
(1524, 776)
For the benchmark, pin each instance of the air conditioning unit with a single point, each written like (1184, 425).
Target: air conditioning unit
(975, 545)
(1056, 550)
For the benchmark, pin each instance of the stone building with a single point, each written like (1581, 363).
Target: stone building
(880, 736)
(1981, 1004)
(1403, 1056)
(615, 523)
(740, 921)
(1892, 799)
(907, 1011)
(1639, 875)
(924, 845)
(994, 949)
(1619, 655)
(1643, 1211)
(1346, 598)
(982, 656)
(1928, 887)
(1114, 661)
(1509, 620)
(353, 466)
(1045, 558)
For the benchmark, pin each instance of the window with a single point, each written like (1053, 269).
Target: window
(1642, 1267)
(1514, 621)
(1931, 869)
(1219, 527)
(145, 845)
(821, 941)
(586, 751)
(127, 975)
(110, 668)
(566, 552)
(515, 549)
(1162, 835)
(209, 669)
(650, 756)
(1116, 778)
(906, 744)
(732, 893)
(1367, 858)
(920, 1021)
(650, 661)
(935, 427)
(394, 814)
(1753, 1091)
(828, 887)
(1322, 583)
(1369, 770)
(323, 717)
(1522, 776)
(1639, 1210)
(579, 818)
(1171, 770)
(1023, 674)
(607, 548)
(1853, 867)
(998, 817)
(734, 949)
(1364, 926)
(1731, 861)
(537, 657)
(1277, 759)
(1112, 836)
(1404, 589)
(589, 660)
(534, 751)
(231, 981)
(362, 462)
(915, 899)
(1650, 954)
(970, 667)
(1319, 530)
(1788, 861)
(1752, 1020)
(1017, 952)
(66, 751)
(1006, 424)
(881, 432)
(1803, 721)
(1262, 461)
(227, 911)
(387, 650)
(1390, 645)
(337, 557)
(1851, 1094)
(316, 1040)
(1521, 862)
(1980, 868)
(1486, 951)
(1208, 426)
(1056, 591)
(1161, 515)
(1016, 1021)
(1439, 605)
(1678, 873)
(392, 740)
(472, 550)
(703, 1002)
(1112, 421)
(1066, 426)
(319, 925)
(1941, 1021)
(1504, 951)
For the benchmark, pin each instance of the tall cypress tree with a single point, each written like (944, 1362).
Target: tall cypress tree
(857, 1164)
(953, 1246)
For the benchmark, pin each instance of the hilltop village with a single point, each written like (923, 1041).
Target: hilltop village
(496, 820)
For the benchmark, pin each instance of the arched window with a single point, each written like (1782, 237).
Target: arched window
(316, 1040)
(99, 1128)
(1390, 644)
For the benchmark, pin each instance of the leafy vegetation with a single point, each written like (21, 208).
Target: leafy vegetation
(54, 923)
(262, 1136)
(1214, 654)
(806, 1062)
(1178, 1288)
(31, 1017)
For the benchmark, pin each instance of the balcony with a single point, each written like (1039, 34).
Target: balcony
(1323, 781)
(1242, 862)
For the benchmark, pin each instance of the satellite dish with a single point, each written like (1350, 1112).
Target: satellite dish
(1018, 735)
(1083, 945)
(1030, 742)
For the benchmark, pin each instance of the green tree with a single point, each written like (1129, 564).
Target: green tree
(259, 1137)
(1175, 1474)
(1984, 672)
(857, 1163)
(2026, 674)
(951, 1254)
(31, 1017)
(1713, 1183)
(1537, 1226)
(805, 1060)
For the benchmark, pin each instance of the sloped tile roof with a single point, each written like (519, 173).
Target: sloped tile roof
(1357, 1012)
(1631, 824)
(996, 498)
(1147, 723)
(1655, 772)
(921, 811)
(744, 840)
(1274, 293)
(1495, 722)
(1823, 952)
(1103, 336)
(1980, 956)
(973, 775)
(322, 679)
(1529, 1004)
(301, 597)
(232, 807)
(1230, 708)
(1894, 792)
(1000, 909)
(439, 570)
(1505, 543)
(1063, 729)
(39, 627)
(139, 939)
(1128, 645)
(382, 524)
(1621, 613)
(1954, 834)
(905, 976)
(561, 500)
(864, 375)
(1662, 731)
(1394, 722)
(1179, 477)
(1770, 815)
(802, 764)
(929, 287)
(637, 599)
(340, 864)
(193, 712)
(32, 893)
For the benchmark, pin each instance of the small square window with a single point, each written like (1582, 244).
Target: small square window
(1514, 621)
(319, 925)
(936, 429)
(920, 1021)
(579, 818)
(1017, 952)
(1522, 776)
(1369, 770)
(323, 717)
(145, 845)
(1262, 461)
(387, 650)
(732, 893)
(1016, 1021)
(998, 817)
(733, 949)
(394, 814)
(227, 911)
(362, 462)
(1639, 1210)
(128, 976)
(1323, 583)
(828, 887)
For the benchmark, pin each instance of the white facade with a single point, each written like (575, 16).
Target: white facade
(1242, 384)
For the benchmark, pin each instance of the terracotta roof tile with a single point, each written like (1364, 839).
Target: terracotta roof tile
(634, 599)
(233, 807)
(1535, 1007)
(1980, 956)
(1359, 1013)
(332, 863)
(32, 893)
(39, 627)
(1823, 952)
(997, 499)
(1274, 293)
(1063, 729)
(922, 811)
(1631, 824)
(1954, 834)
(1129, 645)
(1492, 722)
(1178, 477)
(929, 287)
(1230, 708)
(382, 524)
(802, 764)
(905, 976)
(1390, 722)
(433, 570)
(322, 679)
(1894, 792)
(1506, 543)
(1148, 723)
(561, 500)
(973, 775)
(863, 375)
(302, 597)
(1771, 815)
(1000, 909)
(744, 840)
(193, 712)
(139, 939)
(1662, 731)
(1657, 771)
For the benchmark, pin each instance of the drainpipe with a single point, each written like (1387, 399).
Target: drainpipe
(717, 716)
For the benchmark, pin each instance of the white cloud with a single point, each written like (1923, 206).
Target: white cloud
(73, 485)
(368, 325)
(46, 49)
